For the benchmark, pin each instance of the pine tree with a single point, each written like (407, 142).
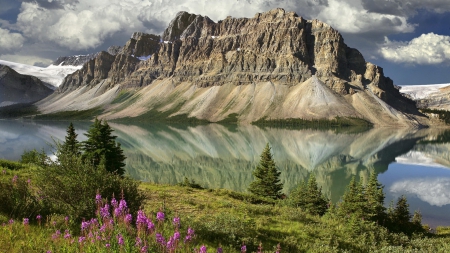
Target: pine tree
(401, 211)
(71, 144)
(311, 198)
(353, 201)
(101, 144)
(374, 196)
(267, 182)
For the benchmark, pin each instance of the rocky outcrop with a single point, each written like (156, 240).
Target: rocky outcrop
(275, 49)
(16, 88)
(75, 60)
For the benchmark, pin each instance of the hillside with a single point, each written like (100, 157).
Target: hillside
(275, 65)
(16, 88)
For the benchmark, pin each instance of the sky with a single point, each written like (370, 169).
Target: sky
(409, 39)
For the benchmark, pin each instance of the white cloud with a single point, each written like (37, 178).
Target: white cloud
(351, 17)
(426, 49)
(435, 191)
(10, 41)
(26, 59)
(87, 24)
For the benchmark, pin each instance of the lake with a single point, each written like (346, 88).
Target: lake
(415, 163)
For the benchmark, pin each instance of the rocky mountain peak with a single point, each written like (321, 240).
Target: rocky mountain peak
(276, 47)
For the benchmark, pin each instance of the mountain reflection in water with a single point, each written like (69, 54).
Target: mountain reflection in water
(218, 156)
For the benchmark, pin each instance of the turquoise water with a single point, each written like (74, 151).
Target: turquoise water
(411, 162)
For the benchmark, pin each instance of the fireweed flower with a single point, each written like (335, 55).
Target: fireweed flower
(144, 249)
(219, 250)
(120, 240)
(29, 181)
(81, 239)
(25, 221)
(98, 198)
(67, 234)
(14, 179)
(123, 205)
(141, 218)
(150, 226)
(128, 218)
(138, 242)
(160, 239)
(170, 244)
(176, 222)
(38, 217)
(203, 249)
(244, 248)
(107, 245)
(11, 221)
(114, 203)
(160, 216)
(104, 211)
(84, 225)
(103, 228)
(176, 235)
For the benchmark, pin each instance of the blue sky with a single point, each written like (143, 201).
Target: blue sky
(410, 39)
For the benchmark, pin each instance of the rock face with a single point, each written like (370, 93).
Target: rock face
(16, 88)
(76, 60)
(223, 68)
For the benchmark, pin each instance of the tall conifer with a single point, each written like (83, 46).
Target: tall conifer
(267, 182)
(101, 144)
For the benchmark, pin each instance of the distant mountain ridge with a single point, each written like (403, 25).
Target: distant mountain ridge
(275, 65)
(16, 88)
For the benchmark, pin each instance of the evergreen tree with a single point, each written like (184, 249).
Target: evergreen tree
(417, 218)
(401, 211)
(267, 183)
(101, 147)
(374, 196)
(353, 201)
(316, 202)
(309, 197)
(71, 144)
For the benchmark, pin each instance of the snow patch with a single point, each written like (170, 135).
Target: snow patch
(422, 91)
(53, 75)
(144, 58)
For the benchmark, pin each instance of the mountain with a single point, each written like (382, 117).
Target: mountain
(275, 65)
(51, 76)
(16, 88)
(431, 96)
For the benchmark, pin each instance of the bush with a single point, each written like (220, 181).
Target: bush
(70, 183)
(11, 165)
(19, 198)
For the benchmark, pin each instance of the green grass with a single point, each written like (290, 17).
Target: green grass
(228, 218)
(71, 115)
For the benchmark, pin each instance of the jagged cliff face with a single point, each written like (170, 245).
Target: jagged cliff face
(274, 65)
(16, 88)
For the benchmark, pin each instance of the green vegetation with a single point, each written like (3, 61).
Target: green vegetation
(267, 182)
(308, 197)
(18, 111)
(319, 123)
(71, 115)
(443, 114)
(74, 205)
(101, 148)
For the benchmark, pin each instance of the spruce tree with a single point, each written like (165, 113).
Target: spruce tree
(401, 212)
(101, 147)
(374, 196)
(267, 182)
(71, 144)
(353, 201)
(316, 202)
